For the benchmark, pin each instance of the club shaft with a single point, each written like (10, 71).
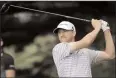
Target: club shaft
(50, 13)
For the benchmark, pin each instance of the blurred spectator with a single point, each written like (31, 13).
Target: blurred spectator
(7, 63)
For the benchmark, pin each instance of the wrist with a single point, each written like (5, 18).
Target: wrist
(108, 30)
(97, 29)
(105, 28)
(104, 25)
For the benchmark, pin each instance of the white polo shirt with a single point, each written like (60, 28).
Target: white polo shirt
(73, 64)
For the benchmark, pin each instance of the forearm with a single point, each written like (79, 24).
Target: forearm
(90, 37)
(110, 48)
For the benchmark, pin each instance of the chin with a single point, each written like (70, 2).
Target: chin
(64, 41)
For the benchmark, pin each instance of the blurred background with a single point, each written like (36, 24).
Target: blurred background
(29, 39)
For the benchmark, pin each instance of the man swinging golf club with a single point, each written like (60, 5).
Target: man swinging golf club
(73, 58)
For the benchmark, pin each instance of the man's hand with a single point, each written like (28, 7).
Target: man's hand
(96, 24)
(104, 25)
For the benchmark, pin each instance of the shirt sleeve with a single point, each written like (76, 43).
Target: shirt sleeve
(94, 56)
(61, 50)
(8, 62)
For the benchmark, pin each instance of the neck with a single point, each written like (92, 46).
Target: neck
(73, 40)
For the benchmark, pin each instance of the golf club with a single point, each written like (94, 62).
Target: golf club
(6, 7)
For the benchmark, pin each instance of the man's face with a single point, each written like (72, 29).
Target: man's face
(66, 35)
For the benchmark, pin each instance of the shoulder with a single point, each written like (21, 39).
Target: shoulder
(8, 61)
(85, 49)
(60, 45)
(8, 58)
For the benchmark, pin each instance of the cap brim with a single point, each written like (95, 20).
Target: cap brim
(55, 31)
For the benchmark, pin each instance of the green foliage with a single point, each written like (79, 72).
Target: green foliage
(37, 51)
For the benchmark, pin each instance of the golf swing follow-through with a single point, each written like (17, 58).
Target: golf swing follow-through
(5, 7)
(74, 58)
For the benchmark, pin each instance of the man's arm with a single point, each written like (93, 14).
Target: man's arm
(110, 48)
(109, 52)
(89, 38)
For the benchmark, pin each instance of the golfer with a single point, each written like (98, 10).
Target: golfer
(73, 58)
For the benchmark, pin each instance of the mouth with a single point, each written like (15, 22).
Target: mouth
(63, 37)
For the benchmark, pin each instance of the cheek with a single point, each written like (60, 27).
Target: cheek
(69, 35)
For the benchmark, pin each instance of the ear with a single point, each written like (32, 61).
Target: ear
(74, 33)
